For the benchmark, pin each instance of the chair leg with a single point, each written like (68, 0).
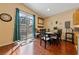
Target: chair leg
(40, 42)
(58, 42)
(45, 44)
(54, 42)
(50, 42)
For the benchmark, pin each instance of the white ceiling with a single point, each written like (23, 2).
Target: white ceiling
(55, 8)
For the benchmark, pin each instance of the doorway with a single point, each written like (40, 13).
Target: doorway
(24, 27)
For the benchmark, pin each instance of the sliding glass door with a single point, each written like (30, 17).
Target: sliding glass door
(24, 27)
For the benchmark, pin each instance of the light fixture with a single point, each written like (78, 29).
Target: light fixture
(48, 9)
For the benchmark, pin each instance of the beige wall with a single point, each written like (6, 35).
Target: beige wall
(7, 28)
(61, 18)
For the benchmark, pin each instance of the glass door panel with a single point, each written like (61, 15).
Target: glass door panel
(26, 27)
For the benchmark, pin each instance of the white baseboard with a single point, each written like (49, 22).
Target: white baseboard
(6, 44)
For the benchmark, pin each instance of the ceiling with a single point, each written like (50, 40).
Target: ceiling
(49, 9)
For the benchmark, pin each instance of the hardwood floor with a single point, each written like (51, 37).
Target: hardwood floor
(6, 49)
(66, 48)
(34, 48)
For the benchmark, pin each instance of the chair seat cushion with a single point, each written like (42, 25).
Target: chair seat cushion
(44, 38)
(54, 37)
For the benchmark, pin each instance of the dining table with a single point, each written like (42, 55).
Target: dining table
(49, 32)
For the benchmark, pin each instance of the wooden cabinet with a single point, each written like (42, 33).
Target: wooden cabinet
(69, 36)
(76, 17)
(76, 38)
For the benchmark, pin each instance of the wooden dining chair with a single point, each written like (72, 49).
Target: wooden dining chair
(59, 33)
(44, 37)
(56, 37)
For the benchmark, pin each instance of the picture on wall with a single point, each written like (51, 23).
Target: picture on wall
(40, 21)
(67, 24)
